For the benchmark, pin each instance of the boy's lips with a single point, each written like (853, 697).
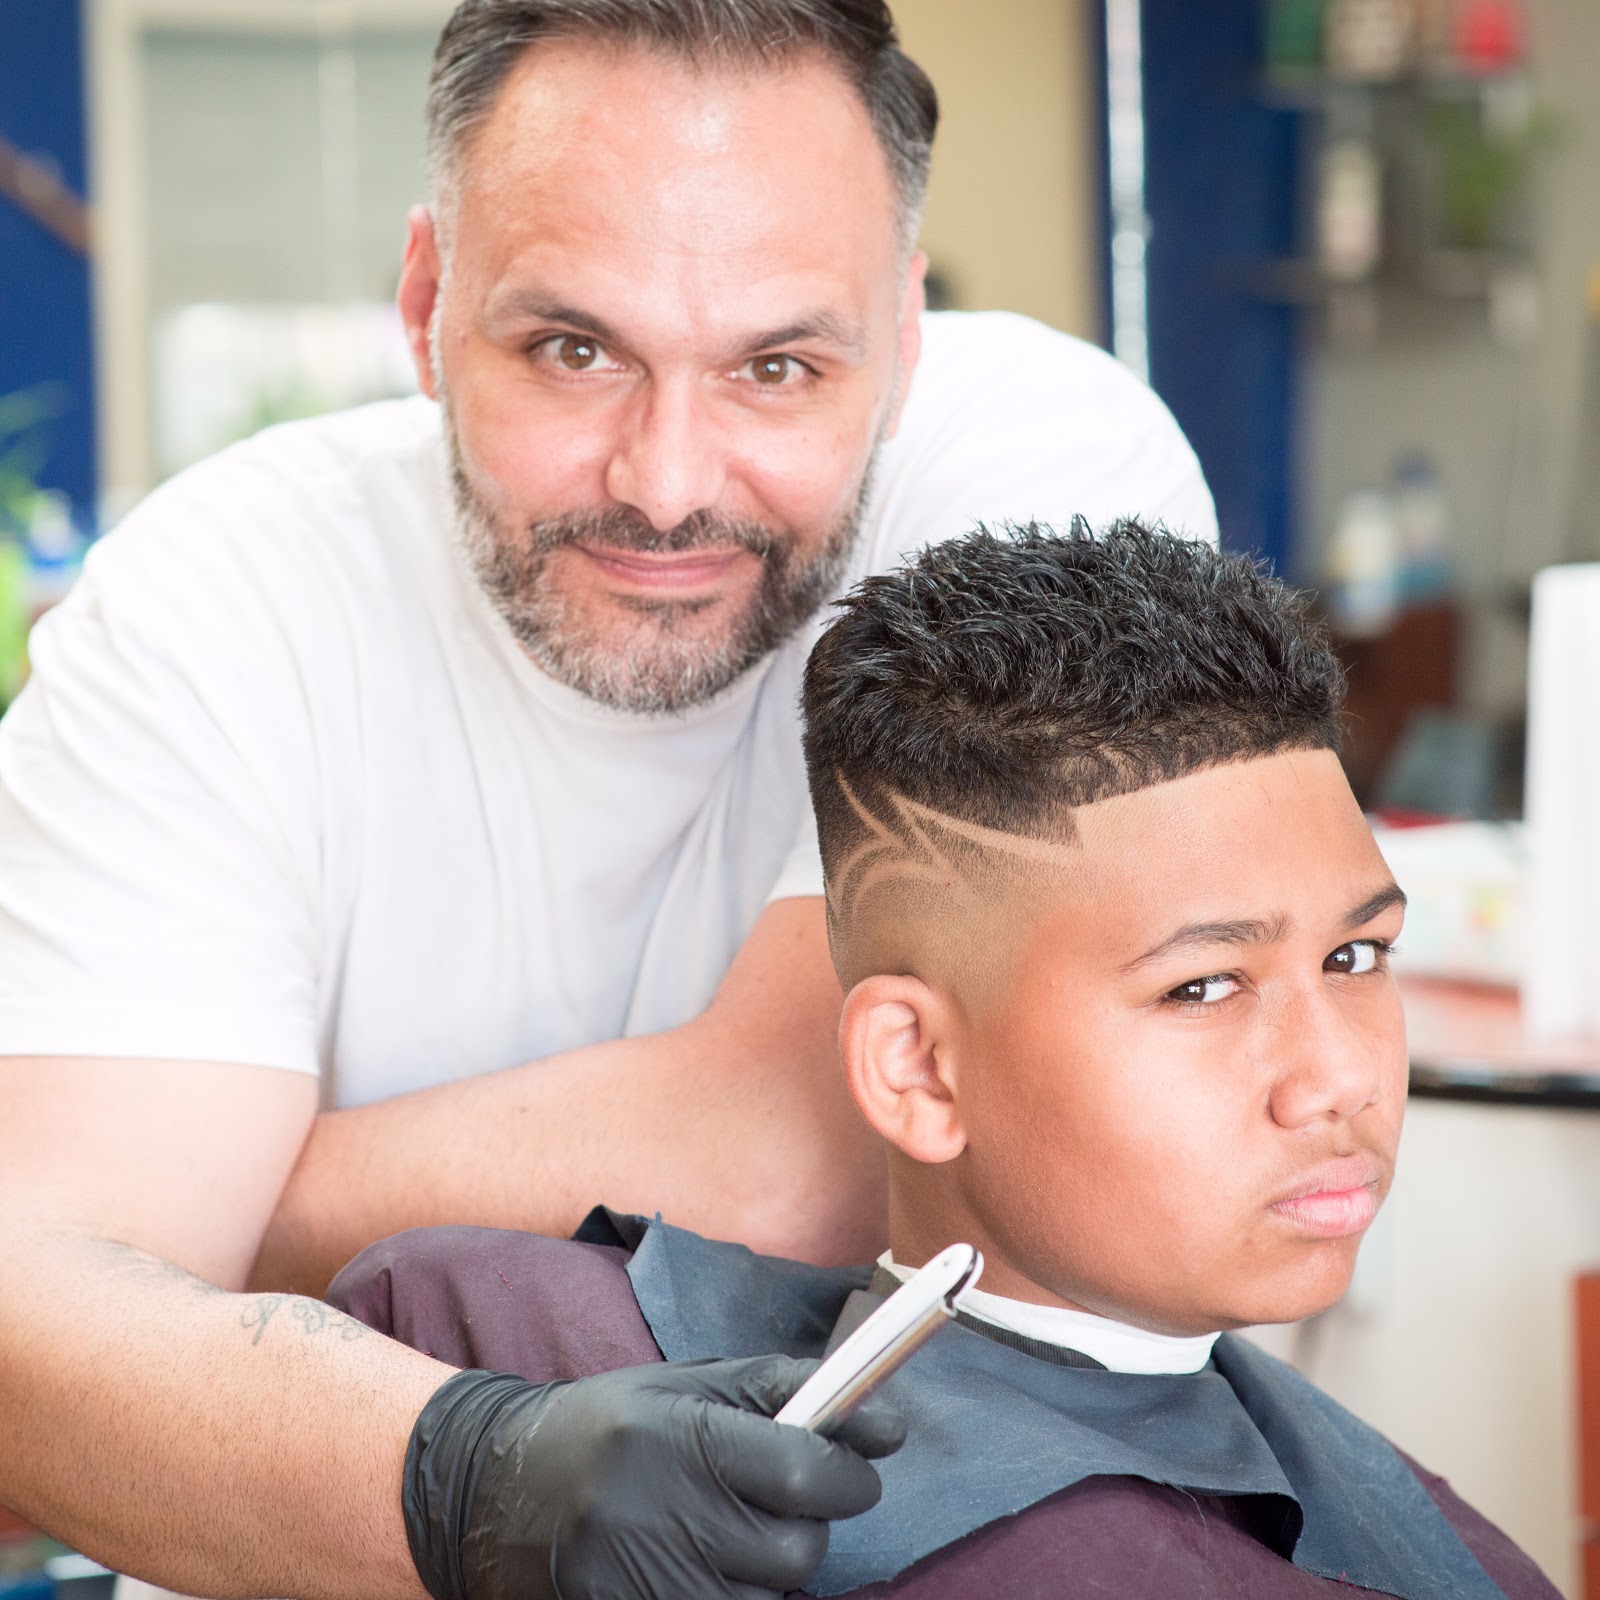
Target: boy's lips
(1334, 1200)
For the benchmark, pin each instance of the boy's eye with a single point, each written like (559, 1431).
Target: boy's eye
(1357, 957)
(1204, 991)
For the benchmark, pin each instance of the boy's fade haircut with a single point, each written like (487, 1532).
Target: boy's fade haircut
(484, 39)
(997, 681)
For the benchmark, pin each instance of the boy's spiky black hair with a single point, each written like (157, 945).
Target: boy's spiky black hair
(1006, 677)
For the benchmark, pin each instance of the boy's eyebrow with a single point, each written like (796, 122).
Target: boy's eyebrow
(1248, 930)
(1391, 894)
(1255, 930)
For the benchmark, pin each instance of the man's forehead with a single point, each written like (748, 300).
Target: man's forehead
(679, 206)
(635, 122)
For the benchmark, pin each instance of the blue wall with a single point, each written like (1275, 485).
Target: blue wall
(1220, 191)
(45, 329)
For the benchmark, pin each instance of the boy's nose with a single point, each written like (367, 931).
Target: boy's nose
(1330, 1069)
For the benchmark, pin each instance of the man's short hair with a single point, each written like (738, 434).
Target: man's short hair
(485, 39)
(1001, 679)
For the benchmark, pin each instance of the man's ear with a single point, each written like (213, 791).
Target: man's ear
(418, 294)
(895, 1041)
(912, 304)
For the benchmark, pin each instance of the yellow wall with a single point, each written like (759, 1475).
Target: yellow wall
(1011, 215)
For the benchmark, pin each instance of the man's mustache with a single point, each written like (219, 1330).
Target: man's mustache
(618, 529)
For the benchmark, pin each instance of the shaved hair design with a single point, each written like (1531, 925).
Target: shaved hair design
(958, 710)
(913, 844)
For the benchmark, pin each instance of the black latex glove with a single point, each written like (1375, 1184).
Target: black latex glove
(649, 1483)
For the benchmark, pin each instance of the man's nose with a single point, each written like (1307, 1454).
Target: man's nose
(1329, 1067)
(668, 461)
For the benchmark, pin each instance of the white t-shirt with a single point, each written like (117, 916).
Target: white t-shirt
(284, 791)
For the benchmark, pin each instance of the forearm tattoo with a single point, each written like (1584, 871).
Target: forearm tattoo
(293, 1313)
(306, 1317)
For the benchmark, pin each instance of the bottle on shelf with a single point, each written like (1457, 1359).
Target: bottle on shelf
(1369, 41)
(1349, 210)
(1422, 530)
(1488, 37)
(1364, 565)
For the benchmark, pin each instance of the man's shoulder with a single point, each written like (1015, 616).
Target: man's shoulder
(334, 444)
(279, 524)
(1005, 348)
(1009, 420)
(294, 479)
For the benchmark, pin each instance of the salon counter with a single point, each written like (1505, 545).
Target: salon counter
(1469, 1043)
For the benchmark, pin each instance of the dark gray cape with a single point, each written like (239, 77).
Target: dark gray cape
(1019, 1476)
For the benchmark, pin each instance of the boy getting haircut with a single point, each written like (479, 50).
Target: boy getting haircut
(1114, 938)
(959, 711)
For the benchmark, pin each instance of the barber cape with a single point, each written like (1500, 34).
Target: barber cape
(1021, 1476)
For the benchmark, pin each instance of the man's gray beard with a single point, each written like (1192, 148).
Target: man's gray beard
(658, 669)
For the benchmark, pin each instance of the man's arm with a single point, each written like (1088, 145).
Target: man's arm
(737, 1124)
(209, 1441)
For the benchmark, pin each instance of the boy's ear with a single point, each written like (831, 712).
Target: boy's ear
(895, 1038)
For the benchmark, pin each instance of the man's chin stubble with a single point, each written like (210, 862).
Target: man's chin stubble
(661, 667)
(650, 659)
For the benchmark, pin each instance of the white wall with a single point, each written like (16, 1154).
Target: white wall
(1011, 211)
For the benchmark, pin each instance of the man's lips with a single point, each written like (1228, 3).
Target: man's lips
(1334, 1200)
(663, 569)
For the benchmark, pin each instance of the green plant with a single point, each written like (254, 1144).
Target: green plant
(25, 415)
(1479, 169)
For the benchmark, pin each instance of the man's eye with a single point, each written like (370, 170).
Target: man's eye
(576, 353)
(1361, 955)
(773, 372)
(1204, 991)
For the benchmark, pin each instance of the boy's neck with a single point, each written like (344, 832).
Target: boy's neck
(923, 1221)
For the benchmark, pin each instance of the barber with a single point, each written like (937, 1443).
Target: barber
(406, 823)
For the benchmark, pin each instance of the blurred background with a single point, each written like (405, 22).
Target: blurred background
(1353, 244)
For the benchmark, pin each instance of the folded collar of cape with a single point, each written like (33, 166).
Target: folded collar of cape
(993, 1430)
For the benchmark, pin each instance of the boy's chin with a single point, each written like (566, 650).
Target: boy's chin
(1291, 1301)
(1308, 1289)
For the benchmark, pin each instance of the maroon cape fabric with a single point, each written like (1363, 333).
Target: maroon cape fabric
(549, 1309)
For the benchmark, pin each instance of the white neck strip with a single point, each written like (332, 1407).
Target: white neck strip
(1116, 1345)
